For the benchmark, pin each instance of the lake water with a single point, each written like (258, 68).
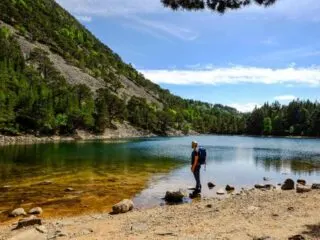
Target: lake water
(103, 173)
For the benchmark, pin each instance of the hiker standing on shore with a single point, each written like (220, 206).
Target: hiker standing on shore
(198, 158)
(195, 166)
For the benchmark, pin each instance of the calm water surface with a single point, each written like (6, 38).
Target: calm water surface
(103, 173)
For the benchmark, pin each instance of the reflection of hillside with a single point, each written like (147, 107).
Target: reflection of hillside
(287, 165)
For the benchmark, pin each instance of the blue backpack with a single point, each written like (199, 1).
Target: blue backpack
(202, 155)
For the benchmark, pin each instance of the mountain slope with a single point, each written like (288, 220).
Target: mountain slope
(66, 79)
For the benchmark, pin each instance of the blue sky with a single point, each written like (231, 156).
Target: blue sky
(242, 58)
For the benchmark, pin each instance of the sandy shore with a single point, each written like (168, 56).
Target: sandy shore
(254, 214)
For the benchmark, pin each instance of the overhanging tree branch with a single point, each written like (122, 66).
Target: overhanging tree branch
(215, 5)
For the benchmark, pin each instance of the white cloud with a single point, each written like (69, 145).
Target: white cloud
(235, 75)
(84, 18)
(285, 98)
(244, 107)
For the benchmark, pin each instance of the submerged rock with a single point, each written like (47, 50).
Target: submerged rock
(302, 181)
(18, 212)
(36, 210)
(122, 207)
(230, 188)
(4, 188)
(25, 222)
(266, 179)
(302, 188)
(44, 183)
(69, 189)
(174, 197)
(288, 184)
(259, 186)
(269, 186)
(316, 186)
(211, 185)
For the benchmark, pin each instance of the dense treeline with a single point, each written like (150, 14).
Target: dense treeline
(300, 118)
(35, 97)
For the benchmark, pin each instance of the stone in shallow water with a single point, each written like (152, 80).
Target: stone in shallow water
(302, 181)
(122, 207)
(174, 197)
(18, 212)
(47, 182)
(69, 189)
(36, 210)
(211, 185)
(259, 186)
(230, 188)
(288, 184)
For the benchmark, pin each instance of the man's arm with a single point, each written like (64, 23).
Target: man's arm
(196, 158)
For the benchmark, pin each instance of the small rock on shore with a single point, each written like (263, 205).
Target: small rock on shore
(25, 222)
(316, 186)
(302, 188)
(220, 192)
(36, 210)
(18, 212)
(122, 207)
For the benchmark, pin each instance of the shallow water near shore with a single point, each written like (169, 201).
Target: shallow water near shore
(103, 173)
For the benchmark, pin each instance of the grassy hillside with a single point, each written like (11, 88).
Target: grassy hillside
(57, 77)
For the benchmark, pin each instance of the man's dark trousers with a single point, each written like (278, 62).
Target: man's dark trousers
(196, 174)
